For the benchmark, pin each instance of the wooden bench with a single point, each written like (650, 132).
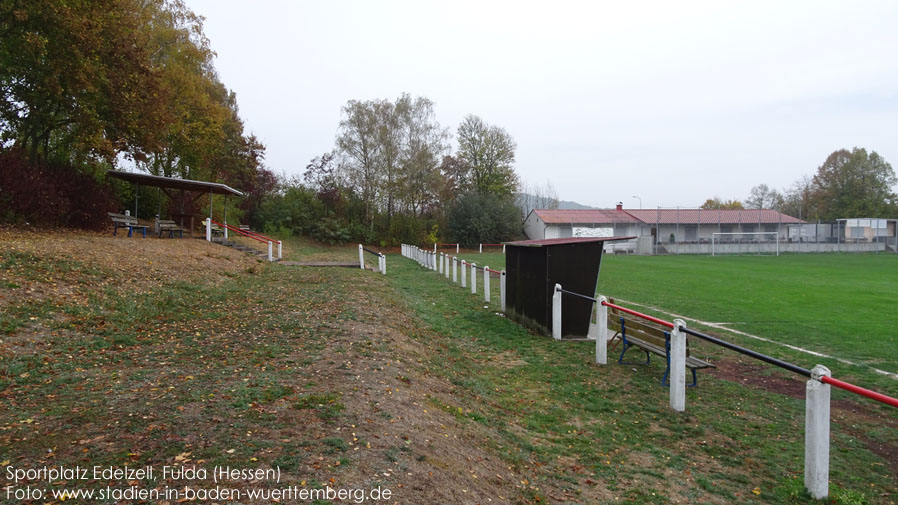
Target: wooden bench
(170, 227)
(650, 338)
(123, 221)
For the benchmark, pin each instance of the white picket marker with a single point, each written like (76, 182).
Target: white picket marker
(677, 375)
(486, 284)
(473, 278)
(816, 434)
(464, 273)
(601, 332)
(556, 313)
(361, 257)
(502, 289)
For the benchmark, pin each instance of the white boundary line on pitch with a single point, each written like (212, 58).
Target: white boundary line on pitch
(723, 326)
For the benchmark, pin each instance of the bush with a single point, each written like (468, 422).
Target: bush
(476, 218)
(330, 231)
(52, 194)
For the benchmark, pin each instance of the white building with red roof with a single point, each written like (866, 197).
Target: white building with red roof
(656, 228)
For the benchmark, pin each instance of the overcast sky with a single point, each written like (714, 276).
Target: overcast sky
(674, 102)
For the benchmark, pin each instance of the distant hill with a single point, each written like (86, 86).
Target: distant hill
(569, 205)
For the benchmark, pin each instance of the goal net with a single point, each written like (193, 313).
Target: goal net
(758, 242)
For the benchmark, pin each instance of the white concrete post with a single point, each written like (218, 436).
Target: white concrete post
(486, 284)
(473, 278)
(456, 248)
(225, 230)
(383, 264)
(601, 331)
(503, 248)
(677, 375)
(441, 263)
(434, 248)
(556, 313)
(208, 229)
(280, 249)
(361, 257)
(446, 269)
(455, 269)
(270, 247)
(481, 248)
(816, 434)
(502, 289)
(433, 261)
(464, 273)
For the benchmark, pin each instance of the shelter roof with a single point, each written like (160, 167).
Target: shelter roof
(173, 183)
(584, 216)
(565, 241)
(712, 216)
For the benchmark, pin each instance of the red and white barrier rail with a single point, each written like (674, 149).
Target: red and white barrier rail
(246, 233)
(443, 263)
(817, 391)
(492, 245)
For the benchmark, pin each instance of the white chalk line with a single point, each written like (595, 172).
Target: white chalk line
(724, 327)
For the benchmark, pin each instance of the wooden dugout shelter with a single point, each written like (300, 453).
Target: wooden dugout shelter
(534, 267)
(186, 186)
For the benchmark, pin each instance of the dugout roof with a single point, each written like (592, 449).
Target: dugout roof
(173, 183)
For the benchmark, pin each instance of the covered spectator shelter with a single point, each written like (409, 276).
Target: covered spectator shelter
(533, 267)
(185, 186)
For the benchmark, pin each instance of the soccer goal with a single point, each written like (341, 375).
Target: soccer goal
(759, 242)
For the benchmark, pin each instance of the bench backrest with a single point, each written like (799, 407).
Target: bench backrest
(121, 218)
(639, 328)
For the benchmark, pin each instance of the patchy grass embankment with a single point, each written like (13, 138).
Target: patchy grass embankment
(346, 378)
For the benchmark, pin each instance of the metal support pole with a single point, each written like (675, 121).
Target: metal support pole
(677, 375)
(556, 313)
(816, 434)
(601, 331)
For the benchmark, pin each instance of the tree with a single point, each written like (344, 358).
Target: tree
(359, 142)
(424, 141)
(489, 151)
(534, 196)
(76, 80)
(481, 218)
(795, 198)
(716, 203)
(853, 184)
(763, 197)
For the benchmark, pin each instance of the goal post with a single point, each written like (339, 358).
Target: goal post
(745, 241)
